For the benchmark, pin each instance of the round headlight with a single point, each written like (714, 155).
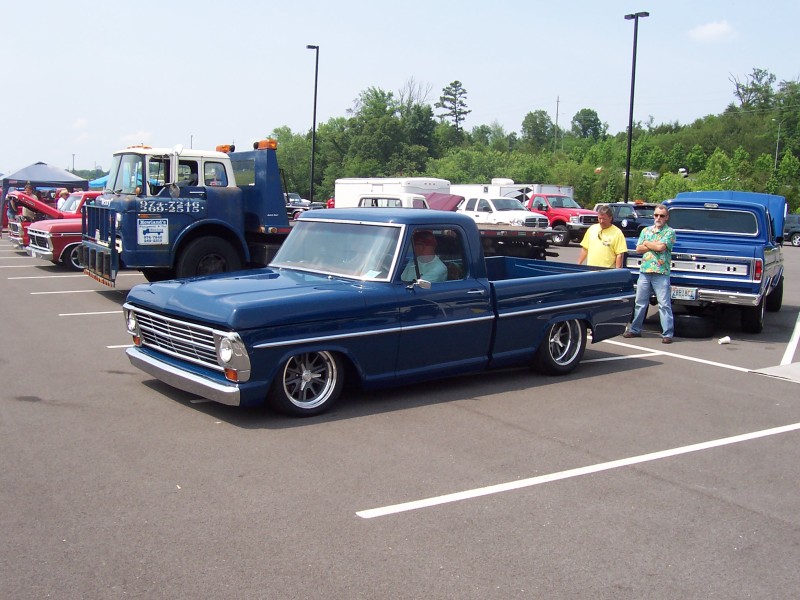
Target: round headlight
(225, 350)
(132, 322)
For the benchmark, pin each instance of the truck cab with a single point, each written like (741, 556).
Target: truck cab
(178, 213)
(567, 218)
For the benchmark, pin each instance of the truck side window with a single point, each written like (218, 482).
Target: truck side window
(214, 174)
(483, 206)
(187, 173)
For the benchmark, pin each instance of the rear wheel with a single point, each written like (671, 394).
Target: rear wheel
(753, 318)
(775, 299)
(560, 235)
(71, 259)
(795, 238)
(307, 384)
(206, 256)
(562, 348)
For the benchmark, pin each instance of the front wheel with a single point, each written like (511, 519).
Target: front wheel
(562, 348)
(206, 256)
(71, 258)
(307, 384)
(560, 235)
(795, 239)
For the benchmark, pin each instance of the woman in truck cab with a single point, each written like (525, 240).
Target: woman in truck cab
(425, 264)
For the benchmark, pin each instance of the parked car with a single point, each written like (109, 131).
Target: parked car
(297, 206)
(627, 217)
(791, 230)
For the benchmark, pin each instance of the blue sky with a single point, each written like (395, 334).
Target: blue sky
(86, 78)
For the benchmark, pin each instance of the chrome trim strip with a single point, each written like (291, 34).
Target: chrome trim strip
(550, 307)
(183, 380)
(340, 336)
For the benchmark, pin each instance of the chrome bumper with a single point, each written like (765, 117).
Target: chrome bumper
(184, 380)
(723, 297)
(37, 253)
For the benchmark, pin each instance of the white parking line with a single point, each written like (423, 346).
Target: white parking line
(614, 464)
(791, 348)
(64, 292)
(681, 356)
(88, 314)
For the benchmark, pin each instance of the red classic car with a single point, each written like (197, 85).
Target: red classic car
(32, 210)
(56, 240)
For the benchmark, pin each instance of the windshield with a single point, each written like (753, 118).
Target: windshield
(503, 204)
(358, 250)
(71, 203)
(126, 173)
(713, 220)
(562, 202)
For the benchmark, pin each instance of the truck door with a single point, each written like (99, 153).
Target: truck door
(448, 325)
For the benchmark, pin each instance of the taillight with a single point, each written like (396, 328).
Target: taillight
(759, 270)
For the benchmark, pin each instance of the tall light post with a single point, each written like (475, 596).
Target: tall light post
(778, 141)
(73, 161)
(314, 122)
(635, 17)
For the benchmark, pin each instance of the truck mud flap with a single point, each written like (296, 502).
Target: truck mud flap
(99, 265)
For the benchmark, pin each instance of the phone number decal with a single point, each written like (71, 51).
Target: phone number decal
(170, 206)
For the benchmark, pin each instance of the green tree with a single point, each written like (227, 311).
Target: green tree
(453, 104)
(538, 130)
(586, 124)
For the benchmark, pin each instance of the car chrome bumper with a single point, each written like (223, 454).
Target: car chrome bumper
(184, 380)
(37, 253)
(723, 297)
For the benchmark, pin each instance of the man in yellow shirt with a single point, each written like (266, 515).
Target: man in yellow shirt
(603, 243)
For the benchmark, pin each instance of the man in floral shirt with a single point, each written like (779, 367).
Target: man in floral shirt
(655, 246)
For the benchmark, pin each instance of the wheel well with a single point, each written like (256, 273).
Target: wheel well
(217, 231)
(556, 223)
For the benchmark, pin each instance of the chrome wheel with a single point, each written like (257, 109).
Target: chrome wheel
(307, 383)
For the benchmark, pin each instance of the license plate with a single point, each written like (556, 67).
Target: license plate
(683, 293)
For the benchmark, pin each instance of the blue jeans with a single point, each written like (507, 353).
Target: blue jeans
(648, 284)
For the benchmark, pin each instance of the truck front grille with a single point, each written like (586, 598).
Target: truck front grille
(39, 240)
(536, 222)
(181, 339)
(588, 219)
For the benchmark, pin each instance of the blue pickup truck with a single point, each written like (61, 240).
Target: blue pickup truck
(727, 252)
(337, 303)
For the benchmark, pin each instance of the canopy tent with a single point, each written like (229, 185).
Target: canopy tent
(41, 175)
(100, 182)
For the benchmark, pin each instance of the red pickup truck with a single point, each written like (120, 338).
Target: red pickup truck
(567, 218)
(32, 210)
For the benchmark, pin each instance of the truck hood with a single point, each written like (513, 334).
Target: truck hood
(258, 298)
(72, 225)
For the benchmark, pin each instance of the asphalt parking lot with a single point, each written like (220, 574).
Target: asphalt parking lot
(644, 474)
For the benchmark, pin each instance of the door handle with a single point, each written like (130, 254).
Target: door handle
(481, 291)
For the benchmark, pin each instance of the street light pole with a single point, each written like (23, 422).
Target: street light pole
(314, 122)
(635, 17)
(778, 142)
(73, 162)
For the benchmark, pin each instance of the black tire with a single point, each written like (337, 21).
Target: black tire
(307, 384)
(795, 238)
(560, 235)
(753, 317)
(206, 256)
(154, 275)
(693, 326)
(562, 348)
(296, 214)
(71, 258)
(775, 299)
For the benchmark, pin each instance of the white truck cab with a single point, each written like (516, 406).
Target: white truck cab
(485, 209)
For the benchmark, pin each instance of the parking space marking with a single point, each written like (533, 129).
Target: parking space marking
(681, 356)
(89, 314)
(64, 292)
(589, 470)
(61, 276)
(622, 357)
(791, 348)
(119, 346)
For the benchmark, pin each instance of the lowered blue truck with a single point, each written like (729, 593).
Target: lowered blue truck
(727, 252)
(337, 304)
